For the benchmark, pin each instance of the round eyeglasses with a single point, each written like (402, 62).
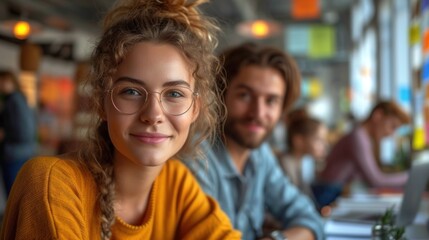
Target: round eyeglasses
(129, 98)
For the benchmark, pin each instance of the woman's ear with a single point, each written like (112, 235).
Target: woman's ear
(196, 109)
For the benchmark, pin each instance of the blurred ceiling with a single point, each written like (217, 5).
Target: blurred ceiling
(86, 14)
(67, 16)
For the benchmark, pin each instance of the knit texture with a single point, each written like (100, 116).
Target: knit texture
(53, 198)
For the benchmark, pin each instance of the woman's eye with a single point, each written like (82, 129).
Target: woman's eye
(130, 91)
(133, 92)
(174, 93)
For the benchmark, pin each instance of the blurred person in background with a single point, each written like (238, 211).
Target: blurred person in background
(353, 158)
(18, 128)
(240, 170)
(306, 140)
(152, 84)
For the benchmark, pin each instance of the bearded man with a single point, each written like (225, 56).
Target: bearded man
(239, 168)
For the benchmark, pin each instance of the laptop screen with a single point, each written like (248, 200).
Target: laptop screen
(413, 190)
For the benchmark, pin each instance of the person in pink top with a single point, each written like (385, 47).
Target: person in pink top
(353, 156)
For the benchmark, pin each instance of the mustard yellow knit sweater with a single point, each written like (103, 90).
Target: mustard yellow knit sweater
(54, 198)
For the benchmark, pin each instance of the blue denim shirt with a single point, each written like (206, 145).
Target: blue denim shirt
(263, 186)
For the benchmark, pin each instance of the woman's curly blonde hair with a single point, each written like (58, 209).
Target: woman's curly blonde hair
(175, 22)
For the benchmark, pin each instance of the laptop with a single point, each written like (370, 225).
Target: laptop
(361, 213)
(413, 190)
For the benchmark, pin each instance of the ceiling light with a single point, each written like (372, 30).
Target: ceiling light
(21, 29)
(259, 28)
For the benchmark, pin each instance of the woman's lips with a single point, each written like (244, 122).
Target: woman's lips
(151, 138)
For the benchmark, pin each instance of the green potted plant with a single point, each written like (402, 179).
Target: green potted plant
(385, 228)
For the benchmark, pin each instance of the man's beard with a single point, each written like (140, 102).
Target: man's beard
(245, 139)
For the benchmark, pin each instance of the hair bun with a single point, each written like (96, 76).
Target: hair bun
(185, 12)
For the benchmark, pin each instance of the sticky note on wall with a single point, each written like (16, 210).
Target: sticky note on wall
(322, 41)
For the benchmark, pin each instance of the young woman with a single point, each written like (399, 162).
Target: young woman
(152, 84)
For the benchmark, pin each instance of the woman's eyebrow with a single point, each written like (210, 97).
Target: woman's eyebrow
(177, 83)
(141, 82)
(129, 80)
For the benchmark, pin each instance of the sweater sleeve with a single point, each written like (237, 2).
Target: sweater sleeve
(202, 218)
(45, 203)
(362, 154)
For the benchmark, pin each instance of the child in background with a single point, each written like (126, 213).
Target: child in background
(306, 139)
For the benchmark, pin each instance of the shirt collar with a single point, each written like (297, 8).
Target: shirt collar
(227, 167)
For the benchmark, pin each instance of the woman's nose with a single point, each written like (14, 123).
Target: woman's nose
(152, 112)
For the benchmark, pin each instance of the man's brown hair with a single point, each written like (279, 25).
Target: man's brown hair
(233, 59)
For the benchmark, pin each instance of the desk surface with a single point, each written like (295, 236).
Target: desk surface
(341, 226)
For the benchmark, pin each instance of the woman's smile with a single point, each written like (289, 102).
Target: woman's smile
(151, 138)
